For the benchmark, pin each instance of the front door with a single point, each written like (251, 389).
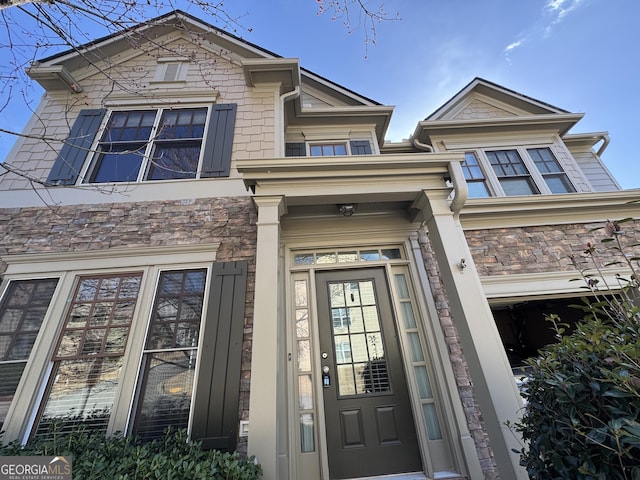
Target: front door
(369, 421)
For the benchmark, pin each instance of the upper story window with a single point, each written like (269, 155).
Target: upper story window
(147, 144)
(476, 181)
(513, 175)
(555, 178)
(326, 149)
(150, 145)
(515, 171)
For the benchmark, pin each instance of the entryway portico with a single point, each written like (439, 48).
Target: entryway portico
(298, 201)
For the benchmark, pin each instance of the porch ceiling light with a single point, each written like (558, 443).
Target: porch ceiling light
(346, 209)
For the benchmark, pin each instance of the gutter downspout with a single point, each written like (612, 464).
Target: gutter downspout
(284, 98)
(605, 143)
(422, 146)
(461, 191)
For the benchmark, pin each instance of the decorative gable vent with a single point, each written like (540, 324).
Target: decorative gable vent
(171, 69)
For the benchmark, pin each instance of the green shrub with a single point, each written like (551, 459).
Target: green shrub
(96, 457)
(581, 419)
(583, 405)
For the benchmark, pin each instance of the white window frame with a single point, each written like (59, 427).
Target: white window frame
(68, 267)
(164, 64)
(92, 158)
(493, 182)
(346, 144)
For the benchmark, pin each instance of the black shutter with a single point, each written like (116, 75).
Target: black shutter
(360, 147)
(76, 148)
(219, 141)
(215, 414)
(295, 150)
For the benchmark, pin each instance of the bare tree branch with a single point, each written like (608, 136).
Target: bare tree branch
(35, 29)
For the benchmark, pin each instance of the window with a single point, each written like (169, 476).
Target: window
(21, 314)
(147, 144)
(88, 360)
(512, 173)
(169, 359)
(328, 149)
(555, 178)
(171, 69)
(476, 182)
(118, 349)
(137, 144)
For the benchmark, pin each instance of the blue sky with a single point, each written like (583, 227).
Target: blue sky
(579, 55)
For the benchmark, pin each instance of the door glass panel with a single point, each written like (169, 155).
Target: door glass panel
(305, 379)
(346, 382)
(424, 385)
(359, 348)
(357, 338)
(306, 433)
(305, 392)
(431, 418)
(407, 314)
(301, 293)
(356, 322)
(302, 322)
(340, 320)
(304, 355)
(416, 349)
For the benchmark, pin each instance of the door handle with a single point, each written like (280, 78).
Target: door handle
(326, 379)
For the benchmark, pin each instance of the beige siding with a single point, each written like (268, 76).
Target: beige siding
(480, 109)
(207, 77)
(597, 174)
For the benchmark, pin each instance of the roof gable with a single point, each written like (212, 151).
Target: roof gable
(483, 99)
(66, 69)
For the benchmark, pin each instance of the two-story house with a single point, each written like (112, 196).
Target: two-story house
(198, 233)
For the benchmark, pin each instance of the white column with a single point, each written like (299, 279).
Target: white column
(263, 403)
(491, 374)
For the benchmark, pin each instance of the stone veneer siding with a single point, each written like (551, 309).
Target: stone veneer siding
(230, 221)
(459, 364)
(545, 248)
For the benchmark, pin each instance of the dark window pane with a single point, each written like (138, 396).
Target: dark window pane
(172, 161)
(120, 163)
(517, 186)
(179, 298)
(182, 124)
(477, 189)
(10, 319)
(558, 184)
(20, 293)
(166, 383)
(10, 373)
(328, 150)
(391, 254)
(171, 283)
(165, 398)
(22, 312)
(21, 347)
